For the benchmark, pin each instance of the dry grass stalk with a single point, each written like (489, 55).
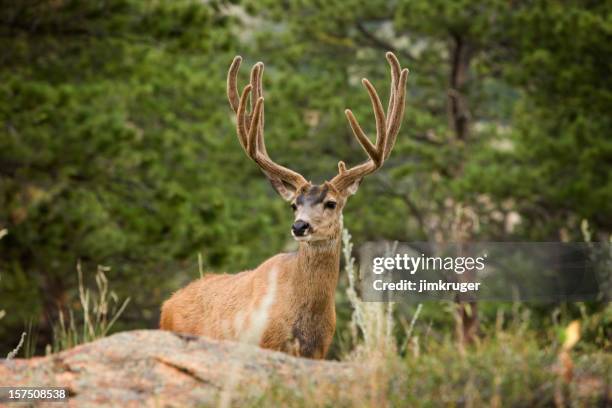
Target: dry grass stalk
(373, 320)
(100, 311)
(13, 353)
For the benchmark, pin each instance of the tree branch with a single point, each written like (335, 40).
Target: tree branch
(382, 44)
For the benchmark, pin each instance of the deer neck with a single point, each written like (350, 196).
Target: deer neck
(316, 272)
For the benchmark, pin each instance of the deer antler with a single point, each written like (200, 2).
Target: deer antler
(387, 127)
(250, 125)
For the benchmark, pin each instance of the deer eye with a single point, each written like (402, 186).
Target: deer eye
(330, 204)
(293, 207)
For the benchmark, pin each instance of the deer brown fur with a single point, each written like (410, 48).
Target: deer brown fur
(301, 319)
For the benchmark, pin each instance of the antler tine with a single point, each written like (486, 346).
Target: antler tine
(232, 90)
(257, 151)
(241, 120)
(387, 127)
(379, 114)
(395, 73)
(256, 73)
(253, 145)
(374, 151)
(394, 121)
(361, 136)
(257, 83)
(250, 126)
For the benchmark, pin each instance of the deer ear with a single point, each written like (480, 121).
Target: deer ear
(284, 190)
(352, 189)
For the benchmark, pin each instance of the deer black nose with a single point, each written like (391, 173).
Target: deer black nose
(299, 228)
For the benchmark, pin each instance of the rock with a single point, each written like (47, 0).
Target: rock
(157, 368)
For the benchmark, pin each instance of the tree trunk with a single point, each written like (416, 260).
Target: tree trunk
(458, 113)
(459, 121)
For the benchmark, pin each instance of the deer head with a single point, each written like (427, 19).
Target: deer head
(317, 208)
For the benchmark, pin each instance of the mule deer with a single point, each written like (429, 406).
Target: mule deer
(302, 317)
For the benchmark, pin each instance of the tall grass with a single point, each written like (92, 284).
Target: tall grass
(372, 323)
(372, 331)
(507, 367)
(13, 353)
(98, 312)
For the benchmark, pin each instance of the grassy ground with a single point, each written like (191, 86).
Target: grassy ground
(509, 369)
